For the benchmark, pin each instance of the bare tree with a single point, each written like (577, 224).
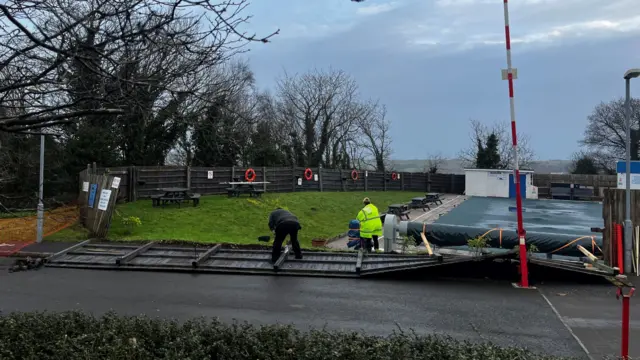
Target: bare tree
(41, 41)
(479, 134)
(434, 163)
(375, 129)
(318, 109)
(605, 135)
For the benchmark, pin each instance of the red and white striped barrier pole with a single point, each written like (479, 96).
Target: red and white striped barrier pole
(524, 272)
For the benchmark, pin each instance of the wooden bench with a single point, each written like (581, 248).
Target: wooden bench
(235, 192)
(231, 192)
(163, 200)
(405, 214)
(196, 199)
(155, 200)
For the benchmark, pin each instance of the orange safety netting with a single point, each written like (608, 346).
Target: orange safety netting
(16, 233)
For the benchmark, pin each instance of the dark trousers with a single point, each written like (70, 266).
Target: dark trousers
(282, 231)
(372, 243)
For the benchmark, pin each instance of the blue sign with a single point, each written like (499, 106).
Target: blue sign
(92, 194)
(621, 167)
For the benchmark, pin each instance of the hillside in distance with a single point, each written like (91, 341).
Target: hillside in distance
(455, 166)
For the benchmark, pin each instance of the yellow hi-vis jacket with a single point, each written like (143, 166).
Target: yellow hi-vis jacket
(370, 223)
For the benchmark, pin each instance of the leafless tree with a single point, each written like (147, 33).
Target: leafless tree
(45, 44)
(376, 137)
(605, 134)
(434, 163)
(480, 132)
(318, 109)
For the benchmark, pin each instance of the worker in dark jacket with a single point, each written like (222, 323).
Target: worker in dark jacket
(284, 223)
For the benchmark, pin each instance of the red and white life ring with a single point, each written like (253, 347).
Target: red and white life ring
(308, 174)
(250, 175)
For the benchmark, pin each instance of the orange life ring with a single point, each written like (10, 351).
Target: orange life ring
(394, 176)
(250, 175)
(308, 174)
(354, 175)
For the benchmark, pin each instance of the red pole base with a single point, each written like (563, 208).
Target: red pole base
(624, 353)
(626, 301)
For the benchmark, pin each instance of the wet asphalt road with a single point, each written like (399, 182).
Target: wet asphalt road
(472, 310)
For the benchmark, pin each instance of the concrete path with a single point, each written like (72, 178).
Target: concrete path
(594, 316)
(449, 201)
(472, 310)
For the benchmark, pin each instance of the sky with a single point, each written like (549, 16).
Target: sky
(436, 64)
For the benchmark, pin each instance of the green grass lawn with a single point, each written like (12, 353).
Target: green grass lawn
(241, 220)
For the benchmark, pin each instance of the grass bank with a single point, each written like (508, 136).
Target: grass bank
(241, 220)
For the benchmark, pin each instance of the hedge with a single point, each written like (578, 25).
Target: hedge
(75, 335)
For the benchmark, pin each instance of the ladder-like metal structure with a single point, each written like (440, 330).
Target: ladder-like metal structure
(218, 259)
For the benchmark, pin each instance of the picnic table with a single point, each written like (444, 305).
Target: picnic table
(419, 203)
(400, 210)
(246, 187)
(174, 195)
(433, 198)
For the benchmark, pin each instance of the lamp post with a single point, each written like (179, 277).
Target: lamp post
(40, 208)
(628, 246)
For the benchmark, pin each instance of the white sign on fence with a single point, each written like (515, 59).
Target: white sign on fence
(116, 182)
(85, 186)
(299, 181)
(315, 177)
(366, 174)
(635, 181)
(398, 176)
(103, 203)
(209, 174)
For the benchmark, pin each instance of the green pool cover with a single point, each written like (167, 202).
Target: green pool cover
(549, 224)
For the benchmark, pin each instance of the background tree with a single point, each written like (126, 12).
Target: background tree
(584, 163)
(434, 163)
(48, 48)
(605, 135)
(374, 132)
(479, 137)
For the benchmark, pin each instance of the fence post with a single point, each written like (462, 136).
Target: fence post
(453, 184)
(233, 173)
(188, 177)
(294, 179)
(264, 178)
(366, 180)
(384, 180)
(95, 167)
(134, 182)
(402, 175)
(320, 178)
(342, 180)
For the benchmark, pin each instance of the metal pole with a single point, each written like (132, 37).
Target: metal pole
(524, 280)
(40, 193)
(627, 219)
(624, 343)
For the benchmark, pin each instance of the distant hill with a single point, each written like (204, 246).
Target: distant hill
(454, 166)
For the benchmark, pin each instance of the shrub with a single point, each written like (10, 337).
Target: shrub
(74, 335)
(130, 223)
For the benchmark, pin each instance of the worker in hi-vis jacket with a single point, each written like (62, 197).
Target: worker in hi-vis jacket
(370, 225)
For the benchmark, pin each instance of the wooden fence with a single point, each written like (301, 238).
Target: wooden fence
(599, 182)
(613, 212)
(143, 182)
(97, 200)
